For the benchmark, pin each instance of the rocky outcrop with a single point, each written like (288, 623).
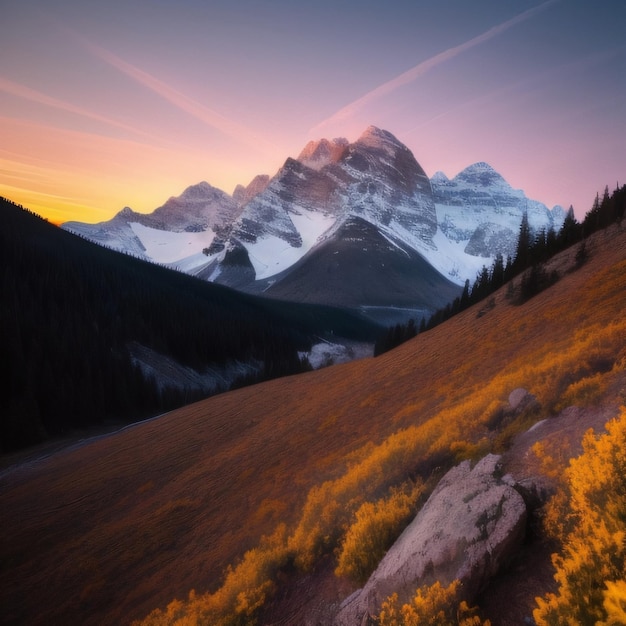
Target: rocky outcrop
(520, 400)
(489, 239)
(471, 524)
(317, 154)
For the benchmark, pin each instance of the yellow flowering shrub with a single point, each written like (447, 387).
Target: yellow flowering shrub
(591, 565)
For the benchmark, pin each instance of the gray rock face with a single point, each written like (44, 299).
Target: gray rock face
(520, 398)
(242, 195)
(470, 525)
(491, 239)
(317, 154)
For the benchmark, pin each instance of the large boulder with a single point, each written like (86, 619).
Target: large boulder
(471, 524)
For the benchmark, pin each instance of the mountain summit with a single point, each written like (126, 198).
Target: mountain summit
(317, 154)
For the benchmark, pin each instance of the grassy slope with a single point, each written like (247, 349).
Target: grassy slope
(108, 531)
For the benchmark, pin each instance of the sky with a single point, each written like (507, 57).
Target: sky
(128, 102)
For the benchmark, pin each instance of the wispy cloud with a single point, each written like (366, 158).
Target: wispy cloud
(535, 83)
(422, 68)
(22, 91)
(208, 116)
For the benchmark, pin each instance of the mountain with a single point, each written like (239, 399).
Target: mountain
(342, 224)
(182, 227)
(479, 213)
(277, 236)
(249, 497)
(388, 279)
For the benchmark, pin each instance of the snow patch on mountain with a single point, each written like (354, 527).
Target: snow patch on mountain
(164, 246)
(192, 264)
(450, 259)
(326, 353)
(271, 254)
(312, 225)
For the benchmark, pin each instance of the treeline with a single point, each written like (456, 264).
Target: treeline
(533, 250)
(70, 312)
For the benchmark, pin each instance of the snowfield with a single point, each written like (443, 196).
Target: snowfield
(164, 246)
(271, 255)
(449, 258)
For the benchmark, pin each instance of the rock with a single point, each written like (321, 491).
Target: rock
(518, 397)
(521, 400)
(471, 524)
(490, 239)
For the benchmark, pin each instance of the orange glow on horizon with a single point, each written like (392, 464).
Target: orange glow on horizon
(65, 175)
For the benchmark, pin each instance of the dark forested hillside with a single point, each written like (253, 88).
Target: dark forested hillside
(70, 310)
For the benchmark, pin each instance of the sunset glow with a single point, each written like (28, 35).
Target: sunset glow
(128, 103)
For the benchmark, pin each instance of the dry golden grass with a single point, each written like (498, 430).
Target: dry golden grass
(106, 532)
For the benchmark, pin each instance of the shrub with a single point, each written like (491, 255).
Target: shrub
(432, 606)
(584, 392)
(376, 527)
(615, 603)
(246, 588)
(590, 567)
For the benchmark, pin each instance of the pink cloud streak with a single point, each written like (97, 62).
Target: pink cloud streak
(22, 91)
(206, 115)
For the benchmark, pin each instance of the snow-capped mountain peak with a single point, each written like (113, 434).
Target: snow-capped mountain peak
(481, 174)
(480, 213)
(199, 191)
(439, 178)
(376, 138)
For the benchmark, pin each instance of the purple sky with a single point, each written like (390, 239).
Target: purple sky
(104, 105)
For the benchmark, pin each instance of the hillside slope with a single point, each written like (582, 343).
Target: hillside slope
(106, 531)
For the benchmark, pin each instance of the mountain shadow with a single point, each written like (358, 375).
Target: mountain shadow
(362, 268)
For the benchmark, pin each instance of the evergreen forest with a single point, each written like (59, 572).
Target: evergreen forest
(70, 311)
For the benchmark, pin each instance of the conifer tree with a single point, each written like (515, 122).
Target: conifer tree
(524, 244)
(570, 231)
(497, 272)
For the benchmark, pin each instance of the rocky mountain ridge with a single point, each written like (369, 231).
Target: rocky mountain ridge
(255, 239)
